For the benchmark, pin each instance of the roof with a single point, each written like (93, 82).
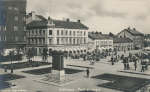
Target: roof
(121, 40)
(95, 36)
(133, 32)
(57, 24)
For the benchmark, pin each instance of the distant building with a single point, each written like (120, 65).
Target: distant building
(122, 44)
(60, 35)
(12, 23)
(133, 34)
(147, 40)
(100, 41)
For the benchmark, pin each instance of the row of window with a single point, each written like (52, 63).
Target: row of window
(36, 41)
(71, 41)
(74, 33)
(13, 8)
(3, 38)
(36, 32)
(2, 28)
(104, 42)
(62, 32)
(16, 38)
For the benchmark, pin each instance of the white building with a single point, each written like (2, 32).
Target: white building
(59, 35)
(100, 41)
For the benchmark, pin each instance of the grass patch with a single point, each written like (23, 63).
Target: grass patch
(48, 70)
(123, 83)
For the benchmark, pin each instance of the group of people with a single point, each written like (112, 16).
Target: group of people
(135, 59)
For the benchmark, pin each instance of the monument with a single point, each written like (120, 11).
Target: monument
(58, 65)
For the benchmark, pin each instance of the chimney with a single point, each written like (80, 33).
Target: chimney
(134, 29)
(79, 21)
(49, 18)
(33, 15)
(68, 20)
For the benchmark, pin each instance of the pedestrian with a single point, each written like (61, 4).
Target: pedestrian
(124, 63)
(112, 61)
(88, 72)
(143, 66)
(135, 64)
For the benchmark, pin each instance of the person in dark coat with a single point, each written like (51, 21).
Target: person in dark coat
(143, 66)
(88, 72)
(135, 65)
(124, 63)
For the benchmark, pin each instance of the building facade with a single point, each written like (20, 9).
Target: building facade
(134, 35)
(122, 44)
(12, 23)
(59, 35)
(100, 41)
(147, 40)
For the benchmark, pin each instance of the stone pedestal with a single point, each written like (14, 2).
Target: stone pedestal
(58, 66)
(58, 74)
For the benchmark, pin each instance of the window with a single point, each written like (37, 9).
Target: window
(61, 32)
(84, 33)
(57, 32)
(57, 40)
(74, 33)
(66, 32)
(16, 18)
(50, 32)
(81, 33)
(4, 38)
(74, 41)
(32, 32)
(5, 28)
(43, 32)
(50, 41)
(70, 41)
(84, 40)
(70, 33)
(40, 32)
(15, 28)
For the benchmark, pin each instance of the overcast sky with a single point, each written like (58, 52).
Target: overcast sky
(99, 15)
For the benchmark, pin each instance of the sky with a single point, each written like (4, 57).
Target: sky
(99, 15)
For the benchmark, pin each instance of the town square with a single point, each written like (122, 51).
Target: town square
(41, 52)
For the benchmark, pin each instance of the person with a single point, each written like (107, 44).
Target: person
(143, 66)
(128, 66)
(112, 60)
(88, 72)
(135, 64)
(124, 63)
